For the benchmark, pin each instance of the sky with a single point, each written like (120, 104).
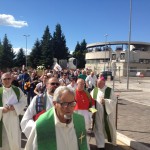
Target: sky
(79, 19)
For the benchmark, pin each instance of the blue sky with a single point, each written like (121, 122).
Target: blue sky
(79, 19)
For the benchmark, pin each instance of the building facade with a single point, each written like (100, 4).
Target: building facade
(113, 56)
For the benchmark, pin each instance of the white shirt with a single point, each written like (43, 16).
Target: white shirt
(27, 121)
(91, 80)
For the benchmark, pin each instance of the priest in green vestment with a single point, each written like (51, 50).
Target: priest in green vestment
(59, 128)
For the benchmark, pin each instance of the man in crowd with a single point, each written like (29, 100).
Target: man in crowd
(59, 128)
(12, 104)
(38, 105)
(41, 87)
(91, 81)
(84, 102)
(104, 127)
(64, 81)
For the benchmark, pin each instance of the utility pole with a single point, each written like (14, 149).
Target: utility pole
(128, 60)
(26, 36)
(105, 51)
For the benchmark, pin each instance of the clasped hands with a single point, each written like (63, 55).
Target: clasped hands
(8, 108)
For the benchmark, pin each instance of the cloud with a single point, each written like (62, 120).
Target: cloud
(9, 20)
(16, 50)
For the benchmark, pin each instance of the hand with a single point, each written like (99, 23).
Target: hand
(102, 101)
(5, 109)
(11, 108)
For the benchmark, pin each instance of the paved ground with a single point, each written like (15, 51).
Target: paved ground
(133, 115)
(134, 110)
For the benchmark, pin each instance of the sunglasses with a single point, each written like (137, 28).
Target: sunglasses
(7, 79)
(67, 104)
(55, 83)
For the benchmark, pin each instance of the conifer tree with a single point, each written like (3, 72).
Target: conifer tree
(47, 50)
(20, 58)
(7, 55)
(59, 44)
(35, 55)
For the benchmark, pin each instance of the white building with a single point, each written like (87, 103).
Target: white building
(113, 56)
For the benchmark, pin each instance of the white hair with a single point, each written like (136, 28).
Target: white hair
(60, 90)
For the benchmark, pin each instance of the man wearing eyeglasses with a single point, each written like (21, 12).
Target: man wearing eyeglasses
(59, 128)
(12, 104)
(39, 105)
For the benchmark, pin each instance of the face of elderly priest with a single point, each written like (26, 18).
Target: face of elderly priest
(6, 80)
(64, 103)
(101, 82)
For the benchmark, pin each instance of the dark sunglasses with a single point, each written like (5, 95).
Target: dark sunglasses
(7, 79)
(55, 83)
(67, 104)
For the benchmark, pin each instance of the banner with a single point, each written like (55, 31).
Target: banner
(57, 67)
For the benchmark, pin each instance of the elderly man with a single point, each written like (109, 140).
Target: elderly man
(104, 127)
(12, 104)
(38, 105)
(84, 102)
(59, 128)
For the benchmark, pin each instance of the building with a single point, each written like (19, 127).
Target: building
(113, 56)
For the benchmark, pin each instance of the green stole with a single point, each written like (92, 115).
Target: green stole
(17, 92)
(106, 121)
(46, 136)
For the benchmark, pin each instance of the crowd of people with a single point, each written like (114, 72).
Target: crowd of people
(57, 109)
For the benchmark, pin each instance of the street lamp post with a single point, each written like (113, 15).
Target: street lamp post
(26, 36)
(105, 49)
(128, 60)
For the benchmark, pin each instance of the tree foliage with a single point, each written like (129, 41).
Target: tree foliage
(35, 55)
(79, 53)
(59, 44)
(6, 55)
(20, 58)
(47, 51)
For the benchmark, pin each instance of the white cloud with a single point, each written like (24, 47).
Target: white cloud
(9, 20)
(16, 50)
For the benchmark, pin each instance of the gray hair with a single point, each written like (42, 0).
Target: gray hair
(60, 90)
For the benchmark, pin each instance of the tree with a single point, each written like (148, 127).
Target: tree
(20, 58)
(47, 50)
(59, 44)
(7, 55)
(35, 55)
(79, 54)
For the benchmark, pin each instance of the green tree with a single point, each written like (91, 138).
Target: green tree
(79, 54)
(20, 58)
(35, 55)
(47, 50)
(7, 55)
(59, 44)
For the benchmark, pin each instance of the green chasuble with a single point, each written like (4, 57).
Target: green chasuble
(106, 120)
(17, 92)
(46, 136)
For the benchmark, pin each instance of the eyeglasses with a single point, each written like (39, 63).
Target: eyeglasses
(54, 83)
(7, 79)
(67, 104)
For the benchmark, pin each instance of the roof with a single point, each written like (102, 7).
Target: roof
(117, 43)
